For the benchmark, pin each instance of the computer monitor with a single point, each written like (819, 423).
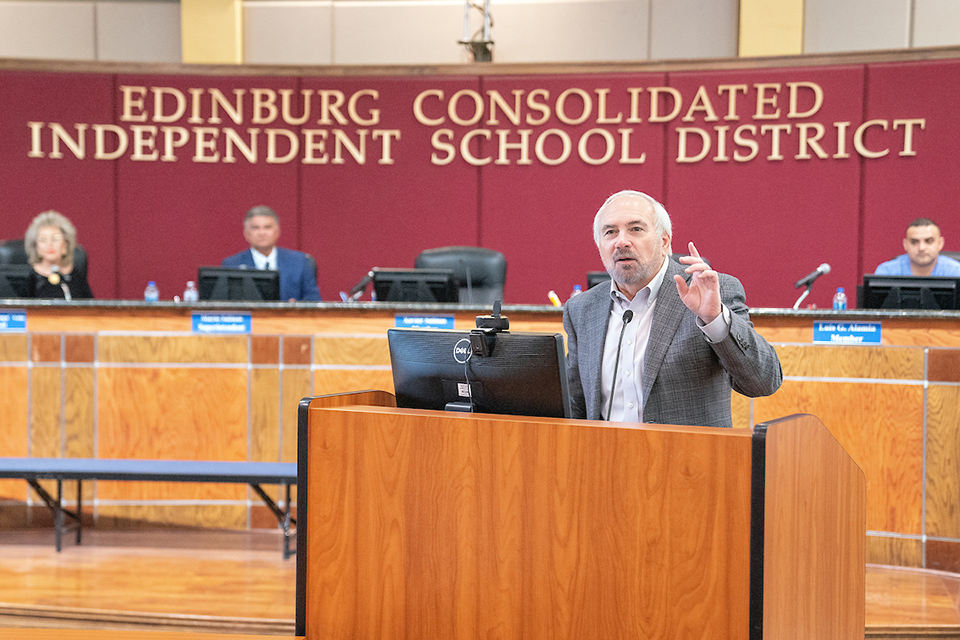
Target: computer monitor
(234, 283)
(597, 277)
(416, 285)
(15, 280)
(524, 373)
(908, 292)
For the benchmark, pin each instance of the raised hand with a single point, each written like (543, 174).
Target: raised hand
(702, 295)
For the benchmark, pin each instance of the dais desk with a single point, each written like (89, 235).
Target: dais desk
(113, 379)
(128, 380)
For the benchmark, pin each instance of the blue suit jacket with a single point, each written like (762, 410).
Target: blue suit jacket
(297, 280)
(686, 380)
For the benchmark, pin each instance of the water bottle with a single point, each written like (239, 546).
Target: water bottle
(839, 300)
(576, 290)
(190, 294)
(151, 293)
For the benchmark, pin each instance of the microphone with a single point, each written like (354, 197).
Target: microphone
(627, 317)
(360, 286)
(810, 277)
(55, 278)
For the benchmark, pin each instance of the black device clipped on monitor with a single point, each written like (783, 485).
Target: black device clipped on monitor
(484, 337)
(485, 370)
(15, 280)
(415, 285)
(908, 292)
(237, 283)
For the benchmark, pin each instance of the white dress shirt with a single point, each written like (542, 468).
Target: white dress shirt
(628, 397)
(261, 261)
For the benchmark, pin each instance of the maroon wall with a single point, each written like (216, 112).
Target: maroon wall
(768, 219)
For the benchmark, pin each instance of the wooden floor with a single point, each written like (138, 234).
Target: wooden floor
(238, 582)
(216, 581)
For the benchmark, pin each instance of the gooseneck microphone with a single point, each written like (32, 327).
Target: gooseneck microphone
(56, 278)
(360, 287)
(807, 281)
(810, 277)
(627, 317)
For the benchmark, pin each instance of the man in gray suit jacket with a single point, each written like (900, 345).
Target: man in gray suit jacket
(673, 350)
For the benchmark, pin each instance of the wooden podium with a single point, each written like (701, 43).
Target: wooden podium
(441, 526)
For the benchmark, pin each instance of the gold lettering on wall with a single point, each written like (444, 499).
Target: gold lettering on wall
(519, 126)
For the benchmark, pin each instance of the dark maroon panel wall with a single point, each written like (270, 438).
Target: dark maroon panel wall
(774, 218)
(899, 188)
(541, 215)
(82, 189)
(179, 214)
(384, 212)
(769, 171)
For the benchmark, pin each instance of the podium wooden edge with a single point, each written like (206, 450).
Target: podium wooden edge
(808, 533)
(370, 397)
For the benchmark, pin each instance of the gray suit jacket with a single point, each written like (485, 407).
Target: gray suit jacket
(686, 380)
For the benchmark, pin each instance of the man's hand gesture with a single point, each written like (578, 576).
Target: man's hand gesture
(702, 295)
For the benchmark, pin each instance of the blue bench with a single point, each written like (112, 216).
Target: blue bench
(59, 469)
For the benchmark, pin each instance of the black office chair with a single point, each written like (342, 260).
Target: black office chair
(482, 272)
(13, 252)
(951, 254)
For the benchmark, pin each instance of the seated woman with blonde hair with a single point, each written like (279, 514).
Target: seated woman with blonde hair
(50, 243)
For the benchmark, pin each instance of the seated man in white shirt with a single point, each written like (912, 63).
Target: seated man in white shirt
(923, 245)
(261, 228)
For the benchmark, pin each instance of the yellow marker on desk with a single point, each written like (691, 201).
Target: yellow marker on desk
(554, 298)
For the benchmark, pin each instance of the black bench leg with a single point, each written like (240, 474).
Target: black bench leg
(56, 506)
(58, 515)
(286, 526)
(282, 516)
(79, 510)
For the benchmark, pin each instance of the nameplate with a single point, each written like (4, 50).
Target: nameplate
(846, 333)
(13, 321)
(424, 322)
(233, 323)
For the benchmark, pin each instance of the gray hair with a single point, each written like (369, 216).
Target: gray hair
(261, 210)
(661, 217)
(51, 219)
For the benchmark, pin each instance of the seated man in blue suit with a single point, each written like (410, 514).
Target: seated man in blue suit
(261, 228)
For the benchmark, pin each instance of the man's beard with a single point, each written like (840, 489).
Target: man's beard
(641, 271)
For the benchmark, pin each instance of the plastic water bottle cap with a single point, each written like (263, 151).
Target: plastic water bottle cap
(151, 284)
(839, 289)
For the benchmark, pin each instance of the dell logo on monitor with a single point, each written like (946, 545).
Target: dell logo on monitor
(462, 351)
